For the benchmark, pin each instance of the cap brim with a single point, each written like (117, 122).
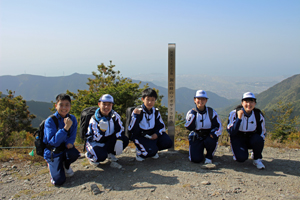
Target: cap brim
(201, 97)
(248, 98)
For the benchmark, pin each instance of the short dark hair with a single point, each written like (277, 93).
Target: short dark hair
(249, 99)
(149, 92)
(63, 96)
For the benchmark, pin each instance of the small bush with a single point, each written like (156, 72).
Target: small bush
(21, 139)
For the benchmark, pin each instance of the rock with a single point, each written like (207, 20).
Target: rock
(109, 188)
(3, 174)
(208, 166)
(115, 165)
(205, 183)
(27, 181)
(95, 190)
(117, 188)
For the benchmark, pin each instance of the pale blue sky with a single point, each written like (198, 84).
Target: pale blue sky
(221, 37)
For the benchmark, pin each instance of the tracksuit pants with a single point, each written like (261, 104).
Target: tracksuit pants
(197, 145)
(240, 145)
(148, 148)
(57, 164)
(98, 152)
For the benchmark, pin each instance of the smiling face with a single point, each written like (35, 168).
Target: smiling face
(149, 102)
(63, 107)
(200, 102)
(105, 107)
(248, 105)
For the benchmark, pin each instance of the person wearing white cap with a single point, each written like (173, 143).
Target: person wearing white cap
(205, 126)
(105, 135)
(246, 127)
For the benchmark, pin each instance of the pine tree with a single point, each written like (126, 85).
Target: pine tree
(284, 125)
(14, 116)
(108, 81)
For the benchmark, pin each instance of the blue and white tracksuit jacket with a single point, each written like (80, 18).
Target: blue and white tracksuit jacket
(245, 134)
(55, 137)
(200, 121)
(245, 125)
(115, 126)
(99, 143)
(212, 129)
(149, 123)
(58, 162)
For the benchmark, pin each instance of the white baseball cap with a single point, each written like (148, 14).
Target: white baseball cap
(248, 95)
(106, 98)
(201, 93)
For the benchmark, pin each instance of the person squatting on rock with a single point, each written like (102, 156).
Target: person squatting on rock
(148, 129)
(205, 126)
(246, 127)
(105, 135)
(60, 151)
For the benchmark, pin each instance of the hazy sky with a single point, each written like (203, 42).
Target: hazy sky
(213, 37)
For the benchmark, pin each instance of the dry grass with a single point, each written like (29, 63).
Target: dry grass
(18, 155)
(44, 193)
(181, 144)
(43, 171)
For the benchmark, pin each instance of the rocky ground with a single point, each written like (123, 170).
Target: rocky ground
(172, 176)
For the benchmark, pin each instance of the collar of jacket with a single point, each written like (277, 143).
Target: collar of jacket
(201, 112)
(60, 117)
(98, 115)
(149, 112)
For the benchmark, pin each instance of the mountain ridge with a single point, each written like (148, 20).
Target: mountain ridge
(39, 91)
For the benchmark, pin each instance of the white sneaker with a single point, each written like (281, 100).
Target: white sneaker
(252, 155)
(69, 172)
(233, 157)
(207, 161)
(112, 157)
(156, 156)
(258, 164)
(91, 162)
(138, 158)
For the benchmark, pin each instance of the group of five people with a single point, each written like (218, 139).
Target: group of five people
(106, 138)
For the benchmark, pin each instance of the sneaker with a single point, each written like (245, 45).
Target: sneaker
(233, 157)
(258, 164)
(138, 158)
(252, 155)
(112, 157)
(91, 162)
(69, 172)
(156, 156)
(207, 161)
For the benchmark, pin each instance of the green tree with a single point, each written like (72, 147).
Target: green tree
(14, 116)
(284, 125)
(108, 81)
(180, 130)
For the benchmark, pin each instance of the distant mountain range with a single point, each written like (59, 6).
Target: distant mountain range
(230, 87)
(41, 88)
(287, 91)
(39, 91)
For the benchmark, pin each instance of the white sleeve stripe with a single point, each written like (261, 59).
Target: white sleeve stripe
(189, 120)
(219, 131)
(97, 136)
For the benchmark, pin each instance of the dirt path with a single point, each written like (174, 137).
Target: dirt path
(172, 176)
